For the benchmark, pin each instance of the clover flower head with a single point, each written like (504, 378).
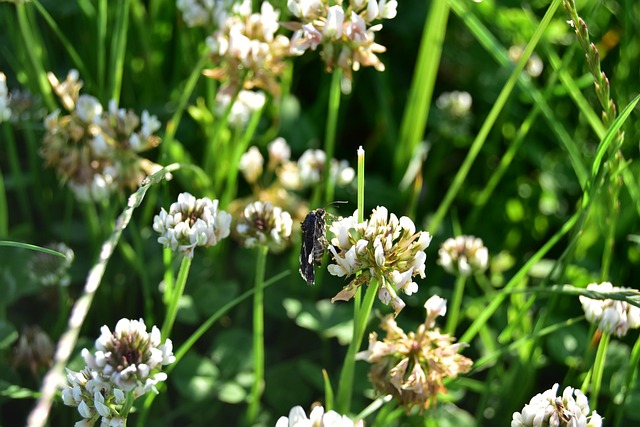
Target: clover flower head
(311, 166)
(201, 13)
(245, 104)
(611, 316)
(5, 110)
(48, 269)
(128, 362)
(95, 150)
(345, 31)
(34, 349)
(317, 418)
(130, 357)
(463, 255)
(279, 152)
(265, 224)
(191, 222)
(456, 103)
(534, 64)
(412, 366)
(94, 396)
(383, 247)
(251, 164)
(548, 409)
(248, 41)
(342, 173)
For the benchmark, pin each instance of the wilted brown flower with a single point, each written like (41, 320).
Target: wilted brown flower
(95, 152)
(412, 366)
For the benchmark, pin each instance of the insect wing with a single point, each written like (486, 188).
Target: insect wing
(312, 247)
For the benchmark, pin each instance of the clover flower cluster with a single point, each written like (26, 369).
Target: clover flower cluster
(611, 316)
(383, 247)
(463, 255)
(191, 222)
(412, 366)
(245, 103)
(306, 172)
(264, 224)
(201, 13)
(317, 418)
(34, 349)
(247, 42)
(95, 151)
(127, 364)
(5, 109)
(456, 103)
(346, 35)
(550, 410)
(48, 269)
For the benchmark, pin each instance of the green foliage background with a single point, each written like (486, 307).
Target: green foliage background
(537, 194)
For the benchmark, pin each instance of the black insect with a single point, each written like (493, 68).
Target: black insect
(313, 244)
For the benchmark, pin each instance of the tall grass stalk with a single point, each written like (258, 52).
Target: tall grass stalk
(176, 294)
(414, 119)
(333, 109)
(488, 123)
(456, 305)
(258, 337)
(361, 312)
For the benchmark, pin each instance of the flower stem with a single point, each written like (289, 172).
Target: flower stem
(361, 312)
(345, 386)
(598, 369)
(330, 133)
(454, 313)
(180, 284)
(258, 337)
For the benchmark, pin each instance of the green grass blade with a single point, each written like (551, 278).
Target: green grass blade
(414, 120)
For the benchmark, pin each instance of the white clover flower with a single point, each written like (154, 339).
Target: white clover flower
(463, 255)
(248, 41)
(150, 124)
(436, 306)
(94, 396)
(265, 224)
(344, 30)
(289, 176)
(99, 188)
(5, 111)
(199, 13)
(191, 222)
(247, 102)
(383, 247)
(456, 103)
(342, 172)
(317, 418)
(130, 357)
(335, 19)
(548, 409)
(88, 108)
(611, 316)
(48, 269)
(251, 164)
(279, 152)
(534, 65)
(311, 166)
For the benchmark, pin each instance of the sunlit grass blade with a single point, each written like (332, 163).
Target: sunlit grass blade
(414, 120)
